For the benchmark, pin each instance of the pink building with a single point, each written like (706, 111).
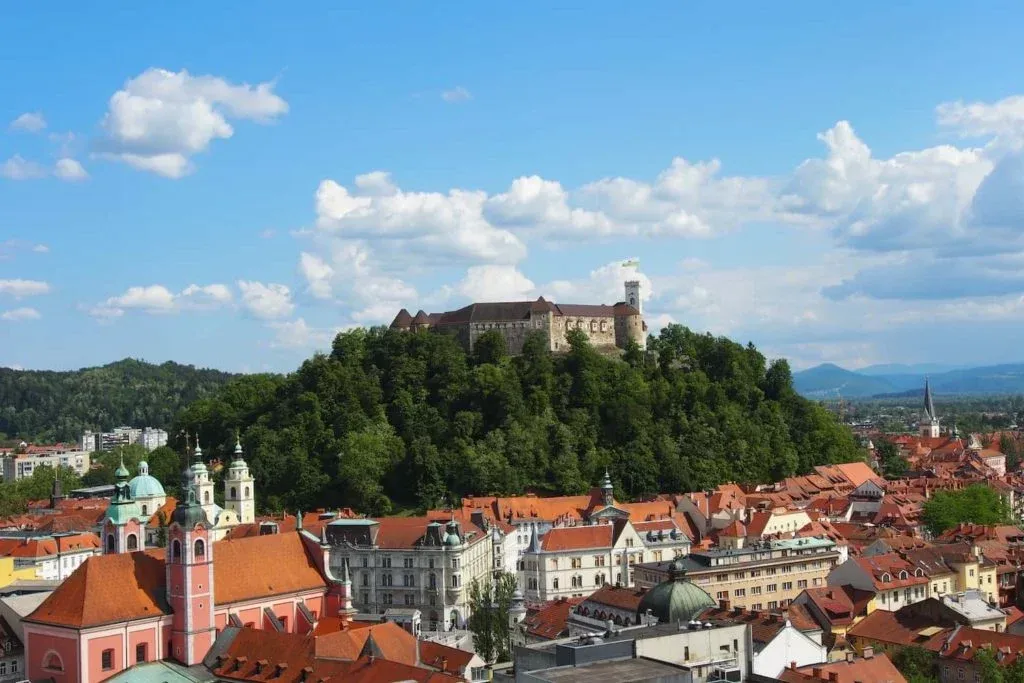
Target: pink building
(132, 606)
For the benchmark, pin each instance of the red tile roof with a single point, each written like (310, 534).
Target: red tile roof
(393, 642)
(877, 669)
(965, 642)
(594, 536)
(901, 628)
(891, 571)
(443, 658)
(627, 599)
(115, 588)
(551, 620)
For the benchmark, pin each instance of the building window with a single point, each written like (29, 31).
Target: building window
(200, 549)
(144, 510)
(110, 543)
(246, 491)
(133, 542)
(455, 581)
(52, 662)
(107, 660)
(771, 588)
(385, 562)
(206, 497)
(366, 578)
(554, 583)
(722, 595)
(176, 550)
(407, 563)
(140, 653)
(576, 562)
(232, 491)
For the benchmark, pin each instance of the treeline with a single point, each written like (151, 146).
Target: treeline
(392, 419)
(59, 406)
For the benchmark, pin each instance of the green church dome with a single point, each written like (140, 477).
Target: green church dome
(145, 485)
(675, 600)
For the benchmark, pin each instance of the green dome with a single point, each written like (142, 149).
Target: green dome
(121, 472)
(144, 485)
(675, 600)
(190, 513)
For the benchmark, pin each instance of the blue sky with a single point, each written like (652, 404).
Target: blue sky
(229, 185)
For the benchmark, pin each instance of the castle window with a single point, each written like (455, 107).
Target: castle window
(604, 325)
(200, 548)
(232, 491)
(110, 543)
(52, 662)
(176, 550)
(107, 660)
(593, 326)
(133, 542)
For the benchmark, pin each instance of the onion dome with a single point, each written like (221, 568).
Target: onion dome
(190, 513)
(144, 485)
(121, 473)
(452, 538)
(677, 599)
(239, 456)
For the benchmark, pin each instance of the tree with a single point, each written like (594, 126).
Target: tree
(490, 347)
(976, 504)
(1008, 446)
(892, 463)
(489, 604)
(916, 664)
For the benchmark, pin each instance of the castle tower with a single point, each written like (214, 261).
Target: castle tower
(239, 490)
(633, 295)
(929, 419)
(122, 531)
(189, 565)
(203, 485)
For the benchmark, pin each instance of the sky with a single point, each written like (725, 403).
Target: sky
(231, 184)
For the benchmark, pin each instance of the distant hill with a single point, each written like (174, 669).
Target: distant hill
(58, 406)
(915, 369)
(831, 381)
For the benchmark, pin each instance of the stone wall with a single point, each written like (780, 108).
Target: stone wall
(600, 330)
(630, 327)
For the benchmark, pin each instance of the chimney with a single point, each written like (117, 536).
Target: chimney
(724, 605)
(868, 653)
(850, 657)
(833, 677)
(792, 665)
(816, 672)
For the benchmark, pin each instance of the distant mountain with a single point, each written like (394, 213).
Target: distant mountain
(917, 369)
(831, 381)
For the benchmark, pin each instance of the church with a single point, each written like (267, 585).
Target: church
(134, 604)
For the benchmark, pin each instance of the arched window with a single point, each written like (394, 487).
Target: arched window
(206, 497)
(145, 510)
(110, 543)
(52, 661)
(176, 550)
(133, 542)
(554, 584)
(233, 492)
(246, 491)
(200, 548)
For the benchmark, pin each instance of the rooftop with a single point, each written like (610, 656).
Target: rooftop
(611, 671)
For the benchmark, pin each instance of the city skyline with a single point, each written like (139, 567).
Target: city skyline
(833, 184)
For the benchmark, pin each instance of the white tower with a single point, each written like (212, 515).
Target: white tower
(929, 419)
(633, 295)
(239, 492)
(203, 485)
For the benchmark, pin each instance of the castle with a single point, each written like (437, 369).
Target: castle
(607, 327)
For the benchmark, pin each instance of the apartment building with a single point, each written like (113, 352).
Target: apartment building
(765, 575)
(51, 558)
(20, 465)
(573, 561)
(147, 437)
(424, 563)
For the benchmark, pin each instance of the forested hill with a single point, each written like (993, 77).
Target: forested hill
(59, 406)
(393, 419)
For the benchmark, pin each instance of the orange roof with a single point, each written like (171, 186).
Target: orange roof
(890, 571)
(578, 537)
(734, 530)
(877, 668)
(115, 588)
(394, 643)
(46, 546)
(443, 658)
(551, 620)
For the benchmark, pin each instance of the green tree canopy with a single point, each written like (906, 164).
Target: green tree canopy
(977, 503)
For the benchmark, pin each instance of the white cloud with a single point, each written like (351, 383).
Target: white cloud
(456, 94)
(21, 288)
(1005, 117)
(41, 249)
(603, 285)
(495, 283)
(30, 122)
(376, 184)
(18, 314)
(158, 299)
(298, 334)
(267, 301)
(69, 169)
(318, 274)
(19, 168)
(160, 119)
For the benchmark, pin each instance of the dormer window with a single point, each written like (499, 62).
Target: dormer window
(886, 577)
(904, 575)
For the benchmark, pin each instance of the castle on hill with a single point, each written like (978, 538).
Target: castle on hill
(607, 327)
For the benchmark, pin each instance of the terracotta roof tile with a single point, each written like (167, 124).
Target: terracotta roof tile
(443, 658)
(878, 669)
(627, 599)
(578, 538)
(551, 620)
(395, 643)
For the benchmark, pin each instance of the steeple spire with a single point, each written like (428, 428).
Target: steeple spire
(929, 405)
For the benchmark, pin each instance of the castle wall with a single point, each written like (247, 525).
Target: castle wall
(629, 327)
(600, 330)
(515, 332)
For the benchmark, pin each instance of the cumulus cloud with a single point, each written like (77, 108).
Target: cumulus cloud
(160, 119)
(1005, 117)
(19, 314)
(19, 168)
(495, 283)
(29, 122)
(267, 301)
(69, 169)
(158, 299)
(19, 288)
(456, 94)
(298, 334)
